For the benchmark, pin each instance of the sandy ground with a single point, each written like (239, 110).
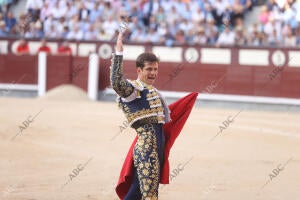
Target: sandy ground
(65, 147)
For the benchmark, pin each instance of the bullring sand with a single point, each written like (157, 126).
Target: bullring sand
(66, 147)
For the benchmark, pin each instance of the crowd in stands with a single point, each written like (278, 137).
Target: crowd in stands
(5, 4)
(168, 22)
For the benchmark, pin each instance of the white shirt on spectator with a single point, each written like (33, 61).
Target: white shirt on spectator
(45, 12)
(75, 34)
(179, 6)
(269, 27)
(60, 26)
(289, 41)
(85, 24)
(152, 36)
(137, 36)
(103, 36)
(48, 23)
(146, 8)
(34, 4)
(51, 2)
(90, 34)
(94, 14)
(58, 12)
(62, 4)
(186, 26)
(281, 3)
(162, 29)
(51, 33)
(220, 6)
(167, 5)
(89, 4)
(71, 11)
(198, 15)
(110, 26)
(226, 38)
(194, 5)
(297, 7)
(186, 12)
(172, 15)
(155, 6)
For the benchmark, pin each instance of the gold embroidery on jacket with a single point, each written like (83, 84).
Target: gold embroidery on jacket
(122, 86)
(146, 161)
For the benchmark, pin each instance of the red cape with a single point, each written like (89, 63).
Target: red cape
(180, 111)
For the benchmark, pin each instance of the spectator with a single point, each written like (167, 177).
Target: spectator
(289, 39)
(238, 10)
(146, 12)
(1, 9)
(10, 21)
(60, 24)
(74, 22)
(5, 5)
(201, 37)
(264, 14)
(3, 32)
(289, 16)
(208, 12)
(168, 38)
(247, 4)
(162, 29)
(167, 5)
(103, 36)
(152, 23)
(48, 23)
(83, 11)
(186, 11)
(44, 47)
(99, 18)
(152, 36)
(90, 34)
(71, 10)
(198, 16)
(108, 11)
(64, 33)
(298, 37)
(89, 4)
(211, 31)
(138, 35)
(110, 26)
(35, 30)
(22, 48)
(23, 24)
(64, 49)
(273, 39)
(94, 13)
(227, 37)
(272, 5)
(180, 38)
(219, 8)
(34, 8)
(75, 34)
(173, 15)
(58, 11)
(239, 39)
(185, 25)
(160, 15)
(264, 39)
(270, 26)
(85, 24)
(52, 33)
(45, 11)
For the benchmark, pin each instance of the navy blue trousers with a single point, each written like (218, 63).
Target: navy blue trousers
(148, 158)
